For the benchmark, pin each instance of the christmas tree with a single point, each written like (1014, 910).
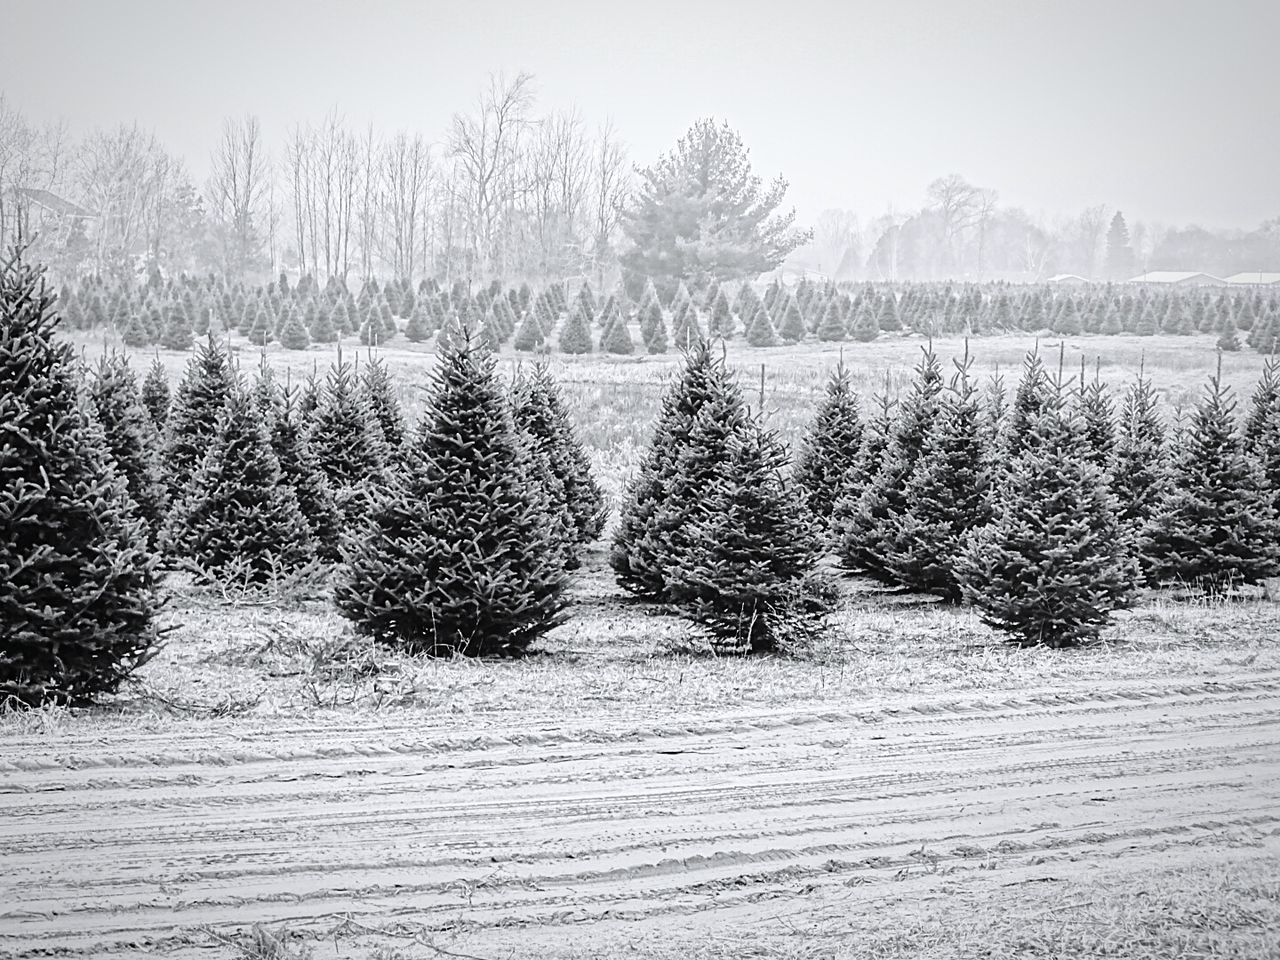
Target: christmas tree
(1215, 524)
(1262, 427)
(155, 394)
(946, 496)
(380, 397)
(831, 448)
(238, 521)
(575, 335)
(131, 438)
(539, 411)
(792, 328)
(760, 333)
(77, 583)
(660, 497)
(457, 556)
(1139, 470)
(745, 565)
(194, 413)
(347, 441)
(1053, 564)
(863, 531)
(293, 335)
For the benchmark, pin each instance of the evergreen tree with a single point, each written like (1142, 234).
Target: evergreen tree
(660, 497)
(866, 326)
(293, 335)
(1054, 563)
(745, 568)
(539, 412)
(761, 333)
(831, 447)
(155, 394)
(530, 335)
(1216, 523)
(131, 436)
(792, 329)
(617, 339)
(418, 329)
(1228, 340)
(136, 334)
(194, 414)
(946, 497)
(657, 342)
(260, 330)
(77, 583)
(1119, 252)
(380, 397)
(458, 557)
(863, 532)
(1262, 427)
(575, 335)
(831, 327)
(721, 323)
(177, 329)
(299, 468)
(1097, 420)
(1030, 398)
(345, 437)
(1139, 471)
(238, 521)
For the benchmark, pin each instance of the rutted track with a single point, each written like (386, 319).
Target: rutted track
(613, 824)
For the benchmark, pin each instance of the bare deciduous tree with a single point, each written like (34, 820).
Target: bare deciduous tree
(238, 191)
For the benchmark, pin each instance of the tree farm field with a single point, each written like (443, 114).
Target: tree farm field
(910, 786)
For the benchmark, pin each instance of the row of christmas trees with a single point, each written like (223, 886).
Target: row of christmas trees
(175, 313)
(458, 536)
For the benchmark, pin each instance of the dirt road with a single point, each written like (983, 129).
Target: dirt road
(615, 828)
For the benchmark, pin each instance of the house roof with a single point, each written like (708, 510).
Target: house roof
(1066, 278)
(51, 201)
(1257, 277)
(1175, 276)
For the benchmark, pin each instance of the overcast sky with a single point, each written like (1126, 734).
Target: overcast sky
(1168, 110)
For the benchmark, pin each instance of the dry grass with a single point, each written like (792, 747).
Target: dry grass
(226, 661)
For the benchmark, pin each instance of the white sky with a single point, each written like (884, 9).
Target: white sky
(1167, 110)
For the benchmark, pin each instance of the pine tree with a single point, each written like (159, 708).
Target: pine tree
(177, 329)
(575, 335)
(792, 329)
(657, 342)
(539, 413)
(721, 323)
(1215, 524)
(1097, 420)
(299, 468)
(866, 326)
(831, 327)
(529, 336)
(238, 521)
(259, 331)
(831, 447)
(617, 338)
(1054, 563)
(761, 333)
(347, 442)
(1139, 469)
(323, 329)
(77, 583)
(660, 497)
(745, 567)
(380, 396)
(457, 557)
(155, 394)
(131, 438)
(194, 414)
(1029, 399)
(1262, 427)
(1228, 340)
(946, 497)
(863, 531)
(136, 333)
(293, 335)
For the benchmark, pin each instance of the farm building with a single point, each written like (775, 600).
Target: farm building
(1255, 279)
(1066, 278)
(39, 211)
(1178, 278)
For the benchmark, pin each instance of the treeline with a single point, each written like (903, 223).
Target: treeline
(1047, 510)
(577, 317)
